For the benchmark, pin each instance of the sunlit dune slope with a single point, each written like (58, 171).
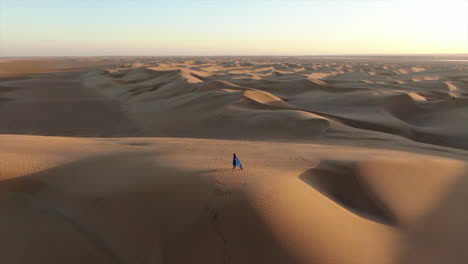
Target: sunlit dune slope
(147, 200)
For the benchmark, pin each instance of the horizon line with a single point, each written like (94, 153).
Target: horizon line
(245, 55)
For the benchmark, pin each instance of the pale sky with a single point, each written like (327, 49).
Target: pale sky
(232, 27)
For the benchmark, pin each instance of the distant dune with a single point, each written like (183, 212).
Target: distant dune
(214, 101)
(129, 160)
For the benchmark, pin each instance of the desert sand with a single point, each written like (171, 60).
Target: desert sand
(128, 160)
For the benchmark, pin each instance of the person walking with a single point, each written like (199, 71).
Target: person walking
(236, 162)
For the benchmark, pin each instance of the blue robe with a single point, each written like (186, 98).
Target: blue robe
(237, 162)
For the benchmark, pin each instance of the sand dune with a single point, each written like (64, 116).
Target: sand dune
(405, 91)
(15, 67)
(155, 198)
(128, 160)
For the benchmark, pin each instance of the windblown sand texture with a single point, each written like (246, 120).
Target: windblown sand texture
(128, 160)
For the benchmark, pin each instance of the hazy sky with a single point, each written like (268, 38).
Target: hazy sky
(237, 27)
